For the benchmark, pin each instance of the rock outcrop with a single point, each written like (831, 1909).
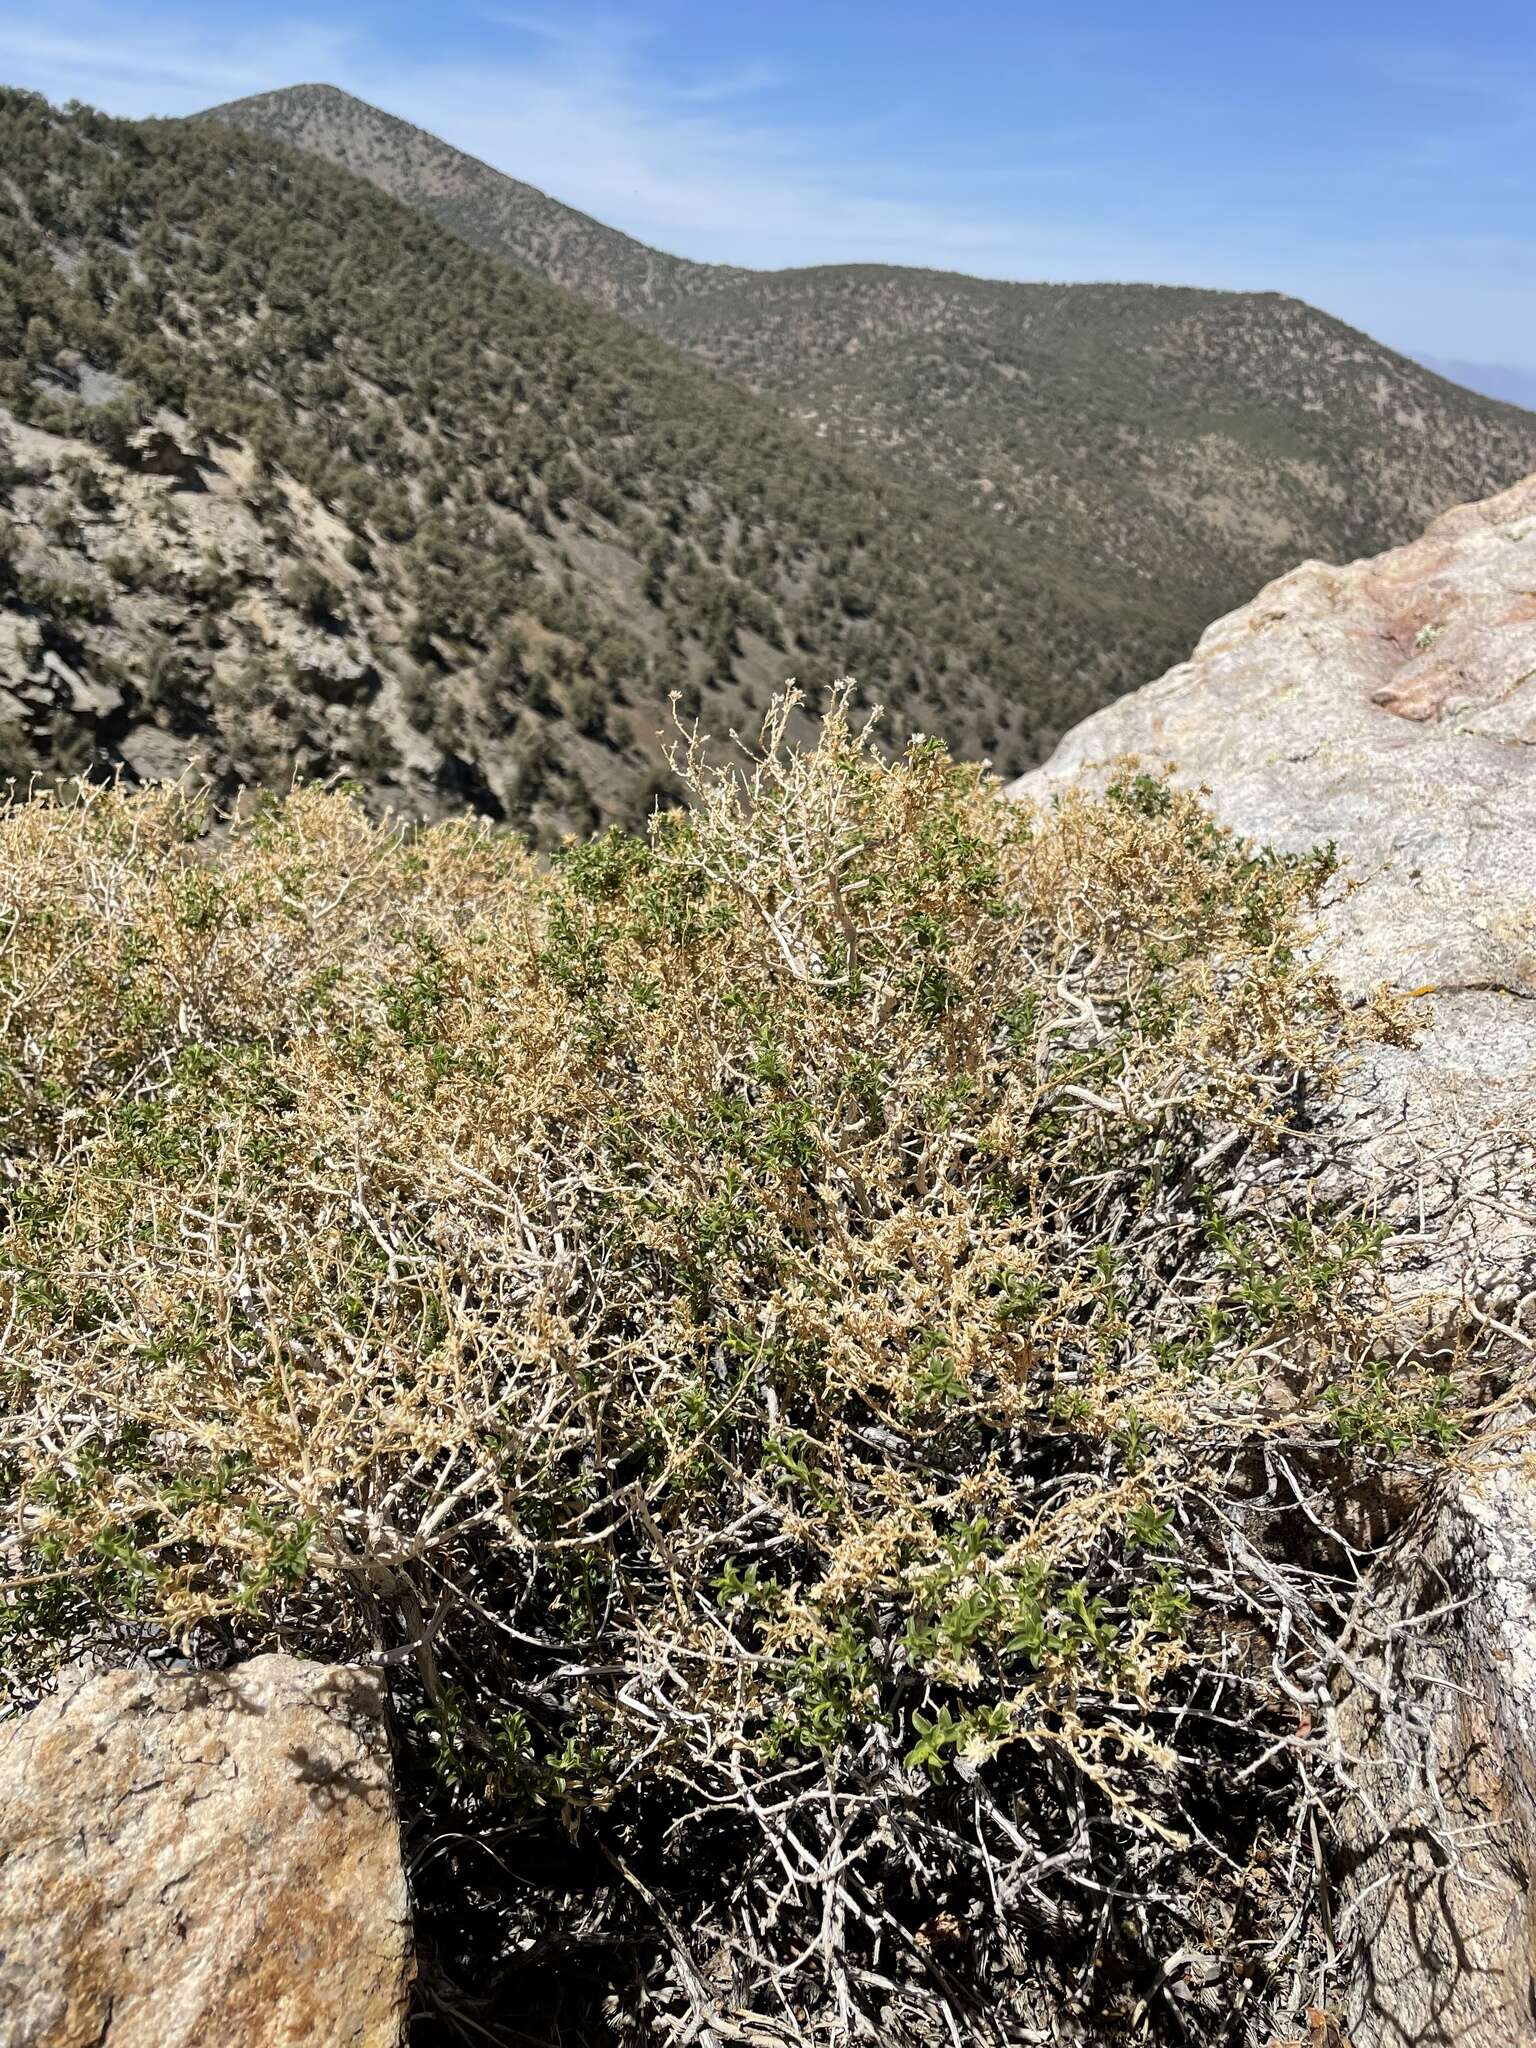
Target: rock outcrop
(1390, 706)
(202, 1861)
(1443, 1947)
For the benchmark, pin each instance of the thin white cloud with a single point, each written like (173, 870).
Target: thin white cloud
(1447, 72)
(547, 27)
(731, 85)
(579, 107)
(141, 66)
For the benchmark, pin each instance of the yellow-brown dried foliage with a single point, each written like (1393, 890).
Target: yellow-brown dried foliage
(778, 1302)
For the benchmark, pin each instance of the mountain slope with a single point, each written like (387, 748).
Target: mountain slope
(1181, 445)
(538, 234)
(295, 478)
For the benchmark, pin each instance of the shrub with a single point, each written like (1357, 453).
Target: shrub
(313, 596)
(587, 702)
(91, 489)
(773, 1333)
(59, 521)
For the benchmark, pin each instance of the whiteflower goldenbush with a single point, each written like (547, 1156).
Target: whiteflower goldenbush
(789, 1338)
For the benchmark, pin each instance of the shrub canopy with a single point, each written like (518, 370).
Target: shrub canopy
(774, 1333)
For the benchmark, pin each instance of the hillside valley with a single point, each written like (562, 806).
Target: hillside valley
(1169, 449)
(297, 482)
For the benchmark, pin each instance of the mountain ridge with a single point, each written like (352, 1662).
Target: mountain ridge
(1189, 445)
(550, 239)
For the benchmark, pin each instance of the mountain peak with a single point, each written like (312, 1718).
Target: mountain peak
(514, 220)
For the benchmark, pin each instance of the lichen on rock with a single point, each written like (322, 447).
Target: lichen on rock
(191, 1859)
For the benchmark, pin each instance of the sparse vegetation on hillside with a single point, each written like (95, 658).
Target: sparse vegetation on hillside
(1191, 443)
(1167, 449)
(525, 226)
(295, 478)
(804, 1342)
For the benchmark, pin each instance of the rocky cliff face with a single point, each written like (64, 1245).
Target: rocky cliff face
(1390, 706)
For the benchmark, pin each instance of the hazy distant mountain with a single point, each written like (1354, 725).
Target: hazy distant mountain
(292, 478)
(1143, 443)
(1493, 380)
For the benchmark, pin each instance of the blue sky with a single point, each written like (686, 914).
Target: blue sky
(1375, 159)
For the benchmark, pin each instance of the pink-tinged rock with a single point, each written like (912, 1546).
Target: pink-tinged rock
(1389, 705)
(202, 1861)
